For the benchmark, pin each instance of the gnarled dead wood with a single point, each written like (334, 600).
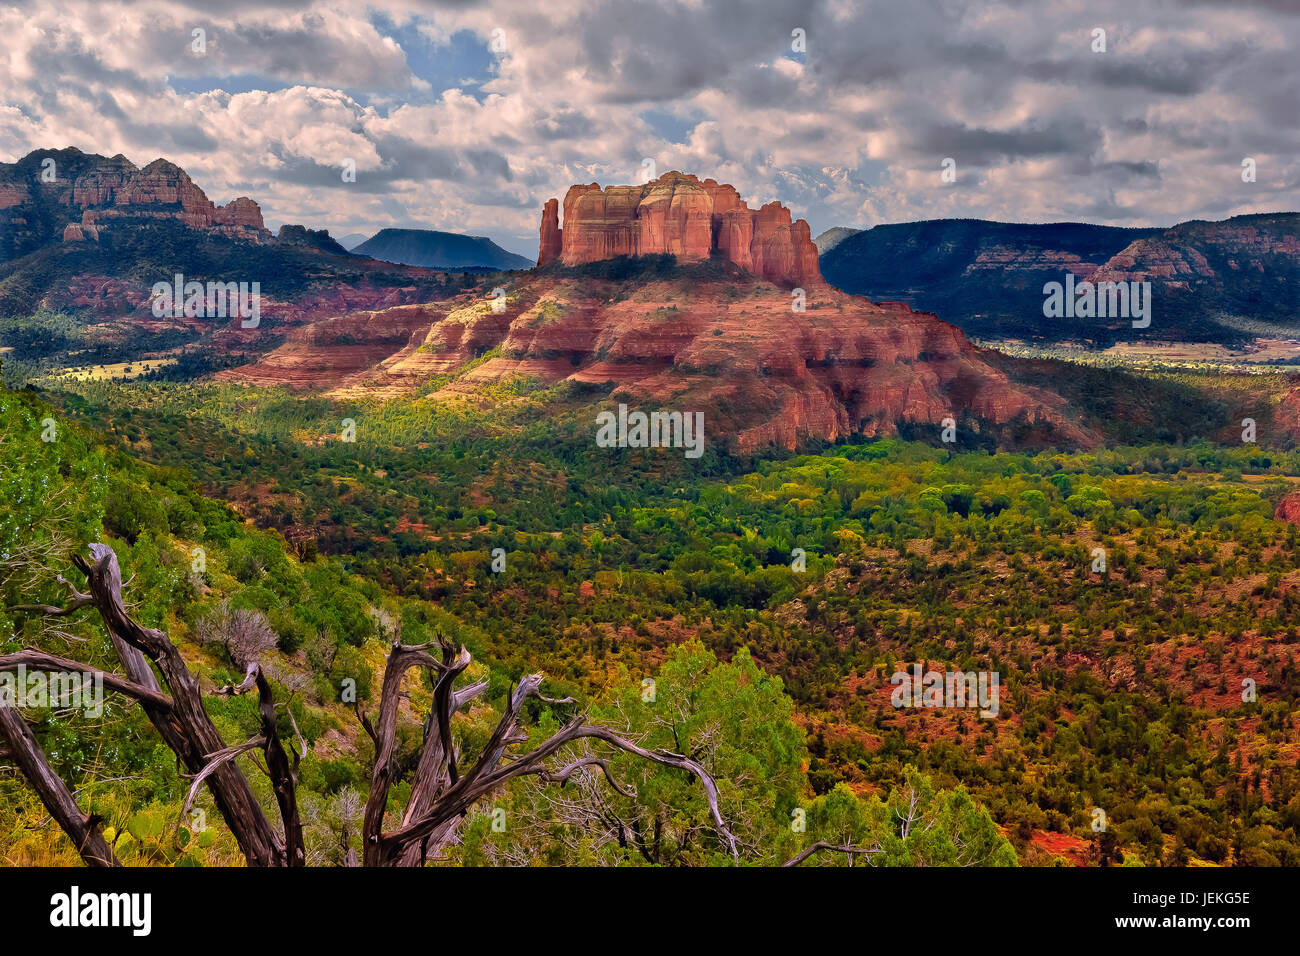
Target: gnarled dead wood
(214, 761)
(401, 658)
(283, 773)
(426, 828)
(436, 770)
(26, 752)
(179, 718)
(37, 660)
(442, 791)
(187, 729)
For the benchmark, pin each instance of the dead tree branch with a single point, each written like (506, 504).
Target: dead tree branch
(179, 718)
(441, 797)
(26, 752)
(37, 660)
(442, 791)
(821, 845)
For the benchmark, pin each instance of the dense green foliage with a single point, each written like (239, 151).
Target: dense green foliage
(193, 562)
(1121, 689)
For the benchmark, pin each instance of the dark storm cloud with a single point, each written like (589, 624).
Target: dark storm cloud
(563, 124)
(656, 52)
(982, 147)
(1275, 6)
(402, 162)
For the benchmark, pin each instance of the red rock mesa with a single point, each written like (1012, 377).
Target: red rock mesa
(680, 215)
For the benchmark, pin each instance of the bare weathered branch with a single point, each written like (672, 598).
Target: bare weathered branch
(284, 779)
(215, 761)
(33, 659)
(26, 752)
(283, 775)
(441, 793)
(302, 741)
(49, 610)
(489, 773)
(466, 694)
(672, 760)
(401, 658)
(185, 727)
(251, 673)
(562, 775)
(821, 845)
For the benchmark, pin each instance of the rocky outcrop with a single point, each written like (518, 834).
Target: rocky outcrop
(47, 195)
(241, 213)
(162, 190)
(679, 215)
(783, 251)
(763, 374)
(550, 242)
(325, 353)
(86, 230)
(1288, 508)
(1186, 255)
(1199, 272)
(296, 235)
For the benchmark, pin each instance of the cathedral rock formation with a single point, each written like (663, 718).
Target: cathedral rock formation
(680, 215)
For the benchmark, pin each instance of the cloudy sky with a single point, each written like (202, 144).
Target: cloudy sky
(466, 116)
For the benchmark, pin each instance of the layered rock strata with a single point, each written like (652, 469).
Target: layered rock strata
(677, 214)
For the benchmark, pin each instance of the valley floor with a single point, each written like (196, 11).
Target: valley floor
(1140, 605)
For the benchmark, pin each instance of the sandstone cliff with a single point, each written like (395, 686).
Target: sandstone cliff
(1230, 257)
(324, 353)
(1288, 508)
(550, 244)
(679, 215)
(67, 195)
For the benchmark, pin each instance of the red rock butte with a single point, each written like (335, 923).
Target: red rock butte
(682, 216)
(114, 192)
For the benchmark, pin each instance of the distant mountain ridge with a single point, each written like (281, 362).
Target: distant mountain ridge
(988, 277)
(316, 238)
(832, 237)
(431, 249)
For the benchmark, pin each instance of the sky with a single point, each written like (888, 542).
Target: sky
(467, 116)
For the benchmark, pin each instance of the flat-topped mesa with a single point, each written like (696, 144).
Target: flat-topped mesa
(680, 215)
